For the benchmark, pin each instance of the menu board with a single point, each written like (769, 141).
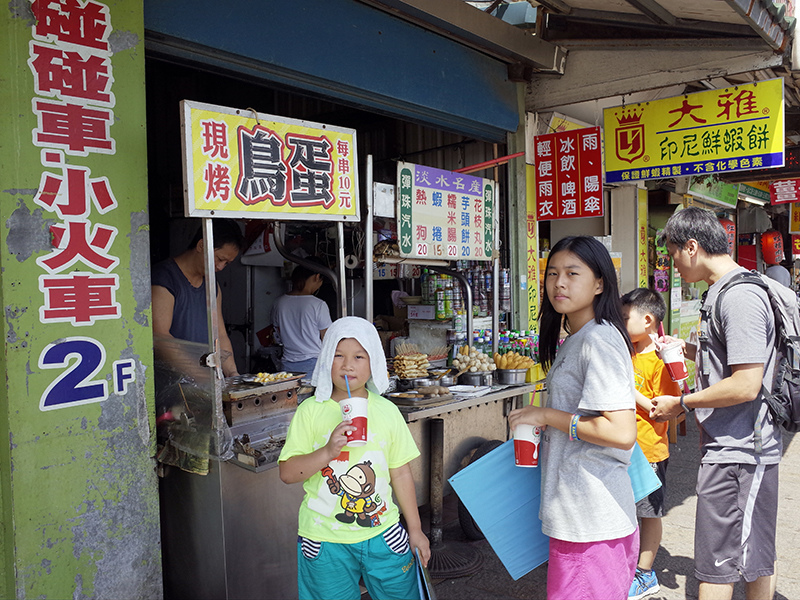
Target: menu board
(444, 215)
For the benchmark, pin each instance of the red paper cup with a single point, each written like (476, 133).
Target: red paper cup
(672, 355)
(355, 409)
(526, 445)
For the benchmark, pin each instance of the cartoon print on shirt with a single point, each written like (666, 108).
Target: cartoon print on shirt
(356, 488)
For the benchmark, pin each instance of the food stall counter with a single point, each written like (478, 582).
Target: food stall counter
(460, 402)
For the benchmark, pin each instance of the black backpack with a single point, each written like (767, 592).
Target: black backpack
(783, 399)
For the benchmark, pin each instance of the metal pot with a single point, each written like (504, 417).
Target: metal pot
(476, 378)
(448, 378)
(511, 376)
(404, 385)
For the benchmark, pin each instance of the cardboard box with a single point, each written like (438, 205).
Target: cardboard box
(390, 323)
(421, 311)
(401, 313)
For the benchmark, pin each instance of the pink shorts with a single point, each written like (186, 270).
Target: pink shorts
(592, 570)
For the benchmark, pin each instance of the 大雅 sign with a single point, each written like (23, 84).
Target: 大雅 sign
(444, 215)
(733, 129)
(241, 164)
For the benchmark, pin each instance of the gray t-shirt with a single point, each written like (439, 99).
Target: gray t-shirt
(586, 490)
(726, 434)
(299, 319)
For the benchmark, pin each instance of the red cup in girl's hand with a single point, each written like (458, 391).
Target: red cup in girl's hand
(526, 445)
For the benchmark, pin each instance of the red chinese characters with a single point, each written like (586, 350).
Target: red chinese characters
(569, 174)
(70, 59)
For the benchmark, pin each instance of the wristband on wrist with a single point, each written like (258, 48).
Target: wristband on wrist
(683, 404)
(573, 428)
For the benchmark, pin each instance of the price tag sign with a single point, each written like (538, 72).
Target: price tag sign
(444, 215)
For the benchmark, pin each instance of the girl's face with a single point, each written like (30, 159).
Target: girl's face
(571, 287)
(352, 360)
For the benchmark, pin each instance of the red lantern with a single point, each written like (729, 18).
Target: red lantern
(772, 247)
(730, 231)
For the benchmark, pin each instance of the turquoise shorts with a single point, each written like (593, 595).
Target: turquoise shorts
(330, 571)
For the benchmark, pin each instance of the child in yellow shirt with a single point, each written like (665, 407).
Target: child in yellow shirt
(643, 311)
(349, 520)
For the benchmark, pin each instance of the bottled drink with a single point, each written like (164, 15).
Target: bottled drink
(448, 303)
(459, 320)
(440, 312)
(505, 290)
(458, 298)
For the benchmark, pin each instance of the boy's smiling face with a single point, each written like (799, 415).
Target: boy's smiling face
(352, 360)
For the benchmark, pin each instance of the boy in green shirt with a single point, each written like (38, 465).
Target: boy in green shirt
(349, 524)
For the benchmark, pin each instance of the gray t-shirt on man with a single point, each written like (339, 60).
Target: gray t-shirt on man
(727, 433)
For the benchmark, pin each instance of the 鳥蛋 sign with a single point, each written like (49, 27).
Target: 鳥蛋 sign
(241, 164)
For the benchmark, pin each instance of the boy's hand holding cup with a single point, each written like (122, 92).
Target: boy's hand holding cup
(671, 352)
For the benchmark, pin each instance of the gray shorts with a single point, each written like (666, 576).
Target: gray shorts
(652, 507)
(737, 511)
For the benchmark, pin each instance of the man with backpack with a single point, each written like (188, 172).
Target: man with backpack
(737, 482)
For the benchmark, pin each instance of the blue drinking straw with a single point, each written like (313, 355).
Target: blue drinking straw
(347, 383)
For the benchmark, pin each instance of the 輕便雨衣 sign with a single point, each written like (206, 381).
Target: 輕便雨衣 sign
(569, 174)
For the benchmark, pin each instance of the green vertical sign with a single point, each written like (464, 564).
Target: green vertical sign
(405, 238)
(79, 494)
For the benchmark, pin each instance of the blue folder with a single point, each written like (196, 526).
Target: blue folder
(503, 499)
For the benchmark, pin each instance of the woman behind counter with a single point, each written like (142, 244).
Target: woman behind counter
(179, 291)
(301, 320)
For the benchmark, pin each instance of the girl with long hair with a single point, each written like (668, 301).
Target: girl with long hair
(588, 426)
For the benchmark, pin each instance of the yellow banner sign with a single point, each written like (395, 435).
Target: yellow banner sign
(733, 129)
(238, 163)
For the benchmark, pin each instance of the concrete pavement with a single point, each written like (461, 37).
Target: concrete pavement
(674, 563)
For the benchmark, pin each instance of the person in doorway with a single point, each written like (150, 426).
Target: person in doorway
(643, 311)
(179, 291)
(301, 320)
(349, 525)
(737, 482)
(588, 427)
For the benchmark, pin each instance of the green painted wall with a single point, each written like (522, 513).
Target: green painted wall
(78, 491)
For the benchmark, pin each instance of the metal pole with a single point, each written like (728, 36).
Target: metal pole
(467, 295)
(368, 247)
(213, 360)
(437, 483)
(342, 286)
(211, 291)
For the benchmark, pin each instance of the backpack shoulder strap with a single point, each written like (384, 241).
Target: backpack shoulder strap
(753, 277)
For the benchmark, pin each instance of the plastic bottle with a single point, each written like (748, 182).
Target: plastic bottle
(505, 290)
(426, 296)
(448, 302)
(440, 312)
(459, 320)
